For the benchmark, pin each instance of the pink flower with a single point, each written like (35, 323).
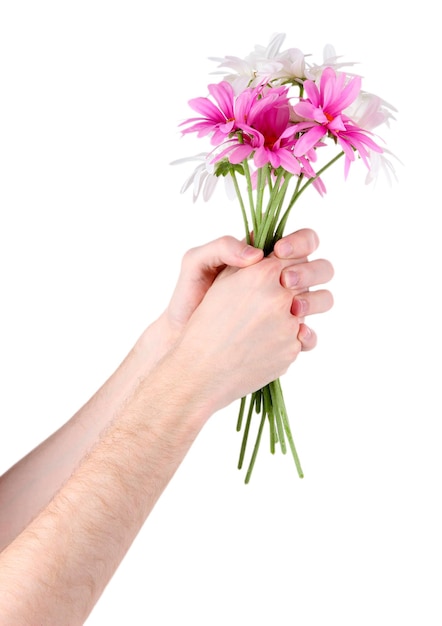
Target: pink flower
(262, 119)
(323, 112)
(216, 119)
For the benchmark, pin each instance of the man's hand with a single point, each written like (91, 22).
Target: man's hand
(203, 264)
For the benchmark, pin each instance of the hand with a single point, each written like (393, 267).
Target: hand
(242, 335)
(201, 266)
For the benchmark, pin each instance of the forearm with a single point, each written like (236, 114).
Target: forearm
(133, 435)
(55, 570)
(31, 483)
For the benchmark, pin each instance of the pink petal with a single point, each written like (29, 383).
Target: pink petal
(312, 92)
(224, 95)
(309, 140)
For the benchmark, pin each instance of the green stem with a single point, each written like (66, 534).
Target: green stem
(260, 187)
(278, 414)
(246, 430)
(270, 239)
(268, 410)
(253, 210)
(255, 449)
(270, 211)
(285, 421)
(242, 406)
(258, 401)
(241, 203)
(269, 401)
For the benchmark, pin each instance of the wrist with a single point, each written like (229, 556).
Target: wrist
(199, 378)
(155, 342)
(170, 406)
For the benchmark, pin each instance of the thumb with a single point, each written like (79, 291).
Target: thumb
(225, 252)
(200, 267)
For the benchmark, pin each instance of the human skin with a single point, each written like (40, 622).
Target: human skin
(70, 510)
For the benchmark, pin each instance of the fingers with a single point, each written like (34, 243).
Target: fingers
(219, 253)
(307, 337)
(305, 275)
(199, 268)
(312, 302)
(301, 276)
(297, 245)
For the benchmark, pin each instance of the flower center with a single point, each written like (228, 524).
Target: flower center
(269, 140)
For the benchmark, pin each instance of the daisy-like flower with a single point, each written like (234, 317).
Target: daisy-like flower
(381, 164)
(369, 111)
(262, 118)
(259, 124)
(261, 64)
(216, 120)
(293, 67)
(313, 71)
(202, 180)
(323, 112)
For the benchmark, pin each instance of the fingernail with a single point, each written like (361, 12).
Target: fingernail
(249, 251)
(299, 307)
(306, 333)
(291, 278)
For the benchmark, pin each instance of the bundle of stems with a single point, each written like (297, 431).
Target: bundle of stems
(264, 224)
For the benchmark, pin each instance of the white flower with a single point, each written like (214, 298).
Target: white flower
(270, 64)
(330, 59)
(370, 111)
(263, 63)
(381, 165)
(203, 179)
(292, 68)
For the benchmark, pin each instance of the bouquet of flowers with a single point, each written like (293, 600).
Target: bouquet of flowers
(276, 122)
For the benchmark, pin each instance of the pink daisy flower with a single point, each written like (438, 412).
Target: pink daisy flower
(262, 119)
(323, 114)
(215, 119)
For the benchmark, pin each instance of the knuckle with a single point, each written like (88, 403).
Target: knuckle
(226, 241)
(189, 255)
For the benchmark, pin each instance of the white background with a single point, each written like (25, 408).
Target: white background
(92, 230)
